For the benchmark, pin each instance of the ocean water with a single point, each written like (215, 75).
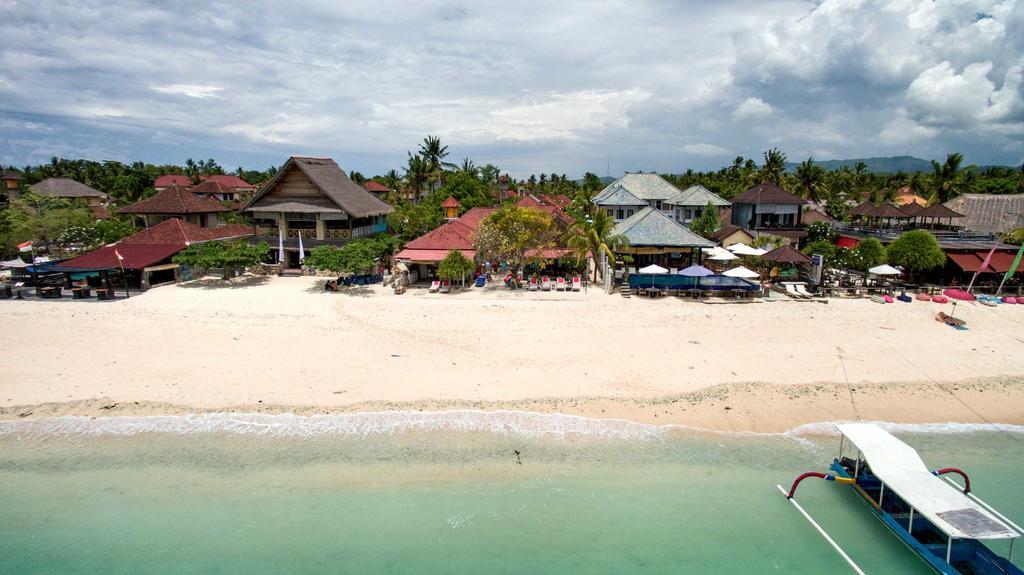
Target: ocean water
(446, 493)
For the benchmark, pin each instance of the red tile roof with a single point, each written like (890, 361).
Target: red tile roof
(531, 201)
(969, 262)
(180, 233)
(375, 187)
(211, 187)
(767, 193)
(228, 180)
(168, 180)
(814, 216)
(100, 212)
(175, 200)
(451, 202)
(135, 256)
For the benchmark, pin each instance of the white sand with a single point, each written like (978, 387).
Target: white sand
(283, 342)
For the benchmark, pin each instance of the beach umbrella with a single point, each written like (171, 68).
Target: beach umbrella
(741, 272)
(743, 250)
(696, 272)
(653, 269)
(885, 270)
(720, 254)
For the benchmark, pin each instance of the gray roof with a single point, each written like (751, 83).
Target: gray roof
(332, 182)
(650, 227)
(644, 186)
(65, 188)
(618, 196)
(990, 213)
(295, 205)
(697, 196)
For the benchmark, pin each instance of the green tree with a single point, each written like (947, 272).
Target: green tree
(224, 255)
(411, 221)
(433, 154)
(591, 183)
(356, 257)
(595, 234)
(820, 231)
(916, 251)
(416, 174)
(870, 253)
(774, 168)
(464, 187)
(823, 248)
(707, 223)
(455, 266)
(810, 180)
(947, 180)
(510, 233)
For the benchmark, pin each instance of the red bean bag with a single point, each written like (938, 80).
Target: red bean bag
(887, 298)
(958, 294)
(1009, 299)
(923, 297)
(940, 299)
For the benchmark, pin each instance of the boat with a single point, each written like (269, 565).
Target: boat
(945, 524)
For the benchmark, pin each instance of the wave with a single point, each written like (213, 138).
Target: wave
(521, 423)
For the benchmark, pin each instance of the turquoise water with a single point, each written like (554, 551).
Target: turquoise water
(117, 497)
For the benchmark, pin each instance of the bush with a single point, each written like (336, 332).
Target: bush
(916, 250)
(227, 256)
(870, 253)
(455, 266)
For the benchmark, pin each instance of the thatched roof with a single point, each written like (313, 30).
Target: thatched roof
(938, 211)
(991, 213)
(332, 182)
(786, 255)
(65, 188)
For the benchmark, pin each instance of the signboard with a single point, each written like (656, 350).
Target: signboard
(817, 265)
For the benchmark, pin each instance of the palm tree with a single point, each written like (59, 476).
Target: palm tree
(947, 179)
(810, 180)
(434, 154)
(595, 234)
(468, 166)
(774, 168)
(416, 173)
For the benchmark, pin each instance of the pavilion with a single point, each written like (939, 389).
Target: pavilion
(656, 238)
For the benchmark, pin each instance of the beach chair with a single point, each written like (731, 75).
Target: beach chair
(446, 286)
(545, 283)
(533, 284)
(791, 291)
(481, 281)
(434, 286)
(576, 283)
(802, 290)
(560, 284)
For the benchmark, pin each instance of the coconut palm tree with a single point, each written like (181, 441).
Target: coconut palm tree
(416, 173)
(774, 168)
(595, 234)
(433, 154)
(468, 166)
(810, 180)
(947, 179)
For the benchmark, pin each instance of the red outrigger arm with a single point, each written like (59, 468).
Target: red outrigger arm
(945, 470)
(825, 476)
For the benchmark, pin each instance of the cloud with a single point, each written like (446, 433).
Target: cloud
(752, 109)
(706, 150)
(190, 90)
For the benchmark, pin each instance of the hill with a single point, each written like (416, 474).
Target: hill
(885, 165)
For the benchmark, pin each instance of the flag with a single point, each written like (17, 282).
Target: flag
(120, 258)
(302, 254)
(25, 246)
(988, 258)
(1016, 263)
(280, 245)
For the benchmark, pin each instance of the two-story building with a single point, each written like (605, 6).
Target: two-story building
(313, 198)
(633, 192)
(767, 209)
(69, 189)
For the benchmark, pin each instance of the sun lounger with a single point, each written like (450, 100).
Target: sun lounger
(791, 291)
(560, 284)
(545, 283)
(802, 290)
(575, 283)
(533, 284)
(434, 286)
(446, 286)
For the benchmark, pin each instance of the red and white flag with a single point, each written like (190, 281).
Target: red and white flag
(25, 246)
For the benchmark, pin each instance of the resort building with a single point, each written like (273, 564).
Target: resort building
(67, 188)
(632, 192)
(242, 189)
(379, 190)
(989, 213)
(767, 209)
(729, 235)
(178, 202)
(167, 180)
(313, 198)
(656, 238)
(215, 190)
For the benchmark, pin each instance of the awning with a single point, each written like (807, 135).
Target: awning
(136, 257)
(1001, 262)
(14, 264)
(429, 256)
(652, 269)
(845, 242)
(900, 468)
(969, 262)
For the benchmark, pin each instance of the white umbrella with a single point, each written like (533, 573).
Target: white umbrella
(885, 270)
(741, 272)
(653, 269)
(745, 250)
(719, 254)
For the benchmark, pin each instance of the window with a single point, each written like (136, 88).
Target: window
(620, 214)
(629, 213)
(611, 212)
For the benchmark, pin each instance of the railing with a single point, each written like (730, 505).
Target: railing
(337, 234)
(893, 233)
(363, 231)
(311, 234)
(265, 231)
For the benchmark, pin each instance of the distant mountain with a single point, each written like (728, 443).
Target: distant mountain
(890, 165)
(605, 180)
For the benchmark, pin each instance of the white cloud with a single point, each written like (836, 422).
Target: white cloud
(190, 90)
(706, 150)
(902, 130)
(752, 109)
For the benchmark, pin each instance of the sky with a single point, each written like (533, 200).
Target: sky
(532, 87)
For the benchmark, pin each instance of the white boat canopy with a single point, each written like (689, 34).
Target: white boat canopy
(901, 470)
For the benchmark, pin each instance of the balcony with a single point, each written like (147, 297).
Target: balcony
(311, 234)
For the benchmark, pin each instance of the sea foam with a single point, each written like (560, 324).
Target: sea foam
(522, 423)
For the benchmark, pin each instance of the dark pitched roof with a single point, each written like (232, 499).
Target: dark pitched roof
(992, 213)
(767, 193)
(938, 211)
(912, 209)
(229, 180)
(726, 231)
(12, 175)
(882, 210)
(814, 216)
(135, 256)
(650, 227)
(786, 255)
(180, 233)
(65, 188)
(168, 180)
(175, 200)
(375, 187)
(333, 183)
(211, 187)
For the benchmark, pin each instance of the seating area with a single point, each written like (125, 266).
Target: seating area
(534, 284)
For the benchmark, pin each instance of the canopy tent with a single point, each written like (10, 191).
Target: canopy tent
(653, 269)
(902, 471)
(13, 264)
(720, 254)
(696, 272)
(741, 272)
(885, 270)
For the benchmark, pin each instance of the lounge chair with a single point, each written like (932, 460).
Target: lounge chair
(560, 284)
(446, 286)
(533, 284)
(791, 291)
(481, 280)
(800, 289)
(575, 283)
(434, 286)
(545, 283)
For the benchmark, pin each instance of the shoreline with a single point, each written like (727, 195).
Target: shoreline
(733, 408)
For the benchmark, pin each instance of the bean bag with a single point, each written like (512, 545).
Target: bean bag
(940, 299)
(904, 298)
(878, 299)
(887, 298)
(923, 297)
(1009, 299)
(958, 294)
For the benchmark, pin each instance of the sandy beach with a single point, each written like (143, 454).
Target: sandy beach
(284, 345)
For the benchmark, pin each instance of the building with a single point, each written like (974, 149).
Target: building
(243, 190)
(729, 235)
(11, 187)
(147, 254)
(379, 190)
(313, 198)
(451, 208)
(181, 203)
(989, 213)
(632, 192)
(67, 188)
(215, 190)
(656, 238)
(167, 180)
(767, 209)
